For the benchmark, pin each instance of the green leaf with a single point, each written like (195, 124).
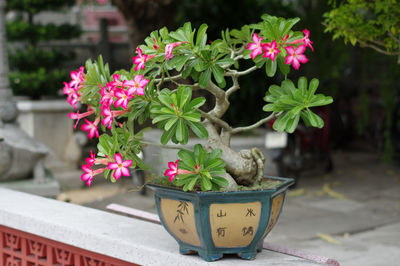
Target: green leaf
(218, 74)
(184, 93)
(199, 154)
(217, 162)
(314, 119)
(205, 183)
(285, 69)
(270, 68)
(205, 78)
(225, 61)
(189, 186)
(268, 107)
(312, 88)
(288, 86)
(302, 85)
(220, 181)
(198, 129)
(320, 100)
(170, 123)
(187, 157)
(196, 103)
(201, 37)
(281, 122)
(192, 116)
(180, 130)
(292, 124)
(159, 118)
(288, 26)
(167, 135)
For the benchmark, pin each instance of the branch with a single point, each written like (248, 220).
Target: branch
(174, 147)
(257, 124)
(169, 78)
(240, 73)
(234, 87)
(216, 120)
(376, 48)
(221, 101)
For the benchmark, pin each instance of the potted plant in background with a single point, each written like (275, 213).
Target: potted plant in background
(212, 200)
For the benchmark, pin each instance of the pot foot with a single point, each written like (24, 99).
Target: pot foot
(260, 245)
(186, 251)
(209, 257)
(247, 255)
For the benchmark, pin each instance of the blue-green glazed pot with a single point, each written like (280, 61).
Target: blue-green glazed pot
(217, 223)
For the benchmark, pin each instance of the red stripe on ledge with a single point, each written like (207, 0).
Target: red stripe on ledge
(21, 248)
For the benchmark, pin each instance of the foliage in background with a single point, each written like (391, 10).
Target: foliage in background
(33, 71)
(374, 24)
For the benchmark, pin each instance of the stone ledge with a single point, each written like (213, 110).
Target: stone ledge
(109, 234)
(43, 106)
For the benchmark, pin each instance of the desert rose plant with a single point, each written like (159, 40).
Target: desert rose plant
(159, 87)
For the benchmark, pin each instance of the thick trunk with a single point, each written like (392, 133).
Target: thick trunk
(240, 165)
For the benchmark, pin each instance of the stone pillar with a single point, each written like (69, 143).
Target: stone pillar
(21, 157)
(8, 108)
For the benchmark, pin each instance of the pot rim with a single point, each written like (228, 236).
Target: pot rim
(286, 182)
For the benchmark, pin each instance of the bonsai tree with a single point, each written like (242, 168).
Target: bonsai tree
(34, 70)
(159, 87)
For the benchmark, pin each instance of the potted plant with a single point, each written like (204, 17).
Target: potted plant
(212, 200)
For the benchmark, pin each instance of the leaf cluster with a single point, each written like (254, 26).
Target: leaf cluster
(292, 103)
(175, 113)
(207, 169)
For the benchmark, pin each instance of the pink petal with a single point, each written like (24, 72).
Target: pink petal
(117, 173)
(125, 172)
(288, 60)
(85, 177)
(112, 166)
(306, 33)
(127, 163)
(289, 49)
(252, 46)
(295, 64)
(118, 158)
(89, 182)
(301, 49)
(302, 58)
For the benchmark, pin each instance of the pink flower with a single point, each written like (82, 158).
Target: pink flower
(120, 166)
(255, 47)
(271, 50)
(295, 57)
(169, 48)
(72, 94)
(123, 98)
(136, 86)
(116, 82)
(108, 117)
(91, 128)
(77, 77)
(91, 159)
(89, 173)
(172, 171)
(79, 116)
(107, 96)
(306, 39)
(139, 60)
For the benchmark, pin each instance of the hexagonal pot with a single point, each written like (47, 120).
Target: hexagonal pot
(217, 223)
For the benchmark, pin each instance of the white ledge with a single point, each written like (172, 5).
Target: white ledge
(109, 234)
(43, 105)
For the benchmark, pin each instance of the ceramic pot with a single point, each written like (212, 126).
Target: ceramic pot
(217, 223)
